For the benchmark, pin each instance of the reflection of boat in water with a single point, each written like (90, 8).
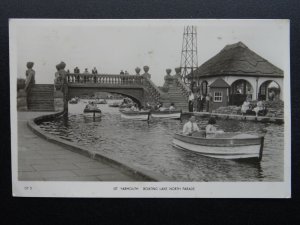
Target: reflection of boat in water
(167, 114)
(114, 104)
(225, 146)
(135, 115)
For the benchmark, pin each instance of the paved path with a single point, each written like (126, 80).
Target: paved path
(40, 160)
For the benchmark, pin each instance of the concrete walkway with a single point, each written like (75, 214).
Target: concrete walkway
(40, 160)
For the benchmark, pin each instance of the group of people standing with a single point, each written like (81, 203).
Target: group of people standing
(86, 71)
(198, 102)
(124, 73)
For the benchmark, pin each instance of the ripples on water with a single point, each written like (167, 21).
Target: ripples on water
(149, 146)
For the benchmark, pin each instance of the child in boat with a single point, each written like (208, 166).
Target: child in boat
(134, 108)
(172, 108)
(91, 106)
(190, 127)
(211, 130)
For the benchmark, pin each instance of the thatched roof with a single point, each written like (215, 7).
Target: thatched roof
(219, 83)
(237, 59)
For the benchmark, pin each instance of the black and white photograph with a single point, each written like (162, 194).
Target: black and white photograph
(150, 108)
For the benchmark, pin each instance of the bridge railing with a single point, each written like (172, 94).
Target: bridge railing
(117, 80)
(111, 79)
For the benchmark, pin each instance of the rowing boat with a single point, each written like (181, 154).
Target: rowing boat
(133, 115)
(226, 146)
(95, 112)
(167, 114)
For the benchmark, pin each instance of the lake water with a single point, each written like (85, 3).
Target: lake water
(149, 146)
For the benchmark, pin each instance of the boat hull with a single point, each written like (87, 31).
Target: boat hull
(225, 148)
(134, 115)
(166, 115)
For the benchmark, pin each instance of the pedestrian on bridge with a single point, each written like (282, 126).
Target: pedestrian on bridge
(94, 71)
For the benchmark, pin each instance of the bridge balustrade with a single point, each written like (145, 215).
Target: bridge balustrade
(104, 79)
(116, 80)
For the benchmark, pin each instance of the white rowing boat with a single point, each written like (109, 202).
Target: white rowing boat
(133, 115)
(227, 146)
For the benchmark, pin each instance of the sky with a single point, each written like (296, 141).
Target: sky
(115, 45)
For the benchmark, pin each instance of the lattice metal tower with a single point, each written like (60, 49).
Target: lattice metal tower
(189, 57)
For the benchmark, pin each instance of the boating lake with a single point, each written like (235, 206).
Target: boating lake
(149, 146)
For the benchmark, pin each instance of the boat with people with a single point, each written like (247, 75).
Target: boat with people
(74, 101)
(166, 114)
(91, 110)
(135, 115)
(114, 104)
(100, 101)
(227, 145)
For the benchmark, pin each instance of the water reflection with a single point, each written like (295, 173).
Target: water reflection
(149, 145)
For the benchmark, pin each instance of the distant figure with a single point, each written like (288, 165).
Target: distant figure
(122, 72)
(191, 101)
(76, 70)
(245, 106)
(158, 106)
(207, 100)
(134, 108)
(30, 73)
(259, 107)
(211, 130)
(172, 108)
(126, 73)
(94, 71)
(86, 71)
(190, 127)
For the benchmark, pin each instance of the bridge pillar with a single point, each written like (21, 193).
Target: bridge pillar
(58, 100)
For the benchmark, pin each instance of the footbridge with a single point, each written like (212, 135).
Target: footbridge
(138, 87)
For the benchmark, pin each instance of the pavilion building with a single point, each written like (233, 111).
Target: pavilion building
(237, 73)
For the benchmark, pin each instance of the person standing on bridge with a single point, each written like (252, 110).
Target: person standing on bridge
(94, 71)
(191, 101)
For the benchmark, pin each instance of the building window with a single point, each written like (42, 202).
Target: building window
(218, 96)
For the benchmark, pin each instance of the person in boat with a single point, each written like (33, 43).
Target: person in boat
(172, 107)
(190, 127)
(161, 107)
(134, 108)
(245, 106)
(210, 129)
(158, 106)
(91, 106)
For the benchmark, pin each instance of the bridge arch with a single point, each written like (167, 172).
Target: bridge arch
(137, 95)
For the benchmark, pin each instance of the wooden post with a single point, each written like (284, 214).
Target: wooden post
(261, 148)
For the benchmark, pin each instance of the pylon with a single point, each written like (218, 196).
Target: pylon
(189, 55)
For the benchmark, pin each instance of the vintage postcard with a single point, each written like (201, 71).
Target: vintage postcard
(150, 108)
